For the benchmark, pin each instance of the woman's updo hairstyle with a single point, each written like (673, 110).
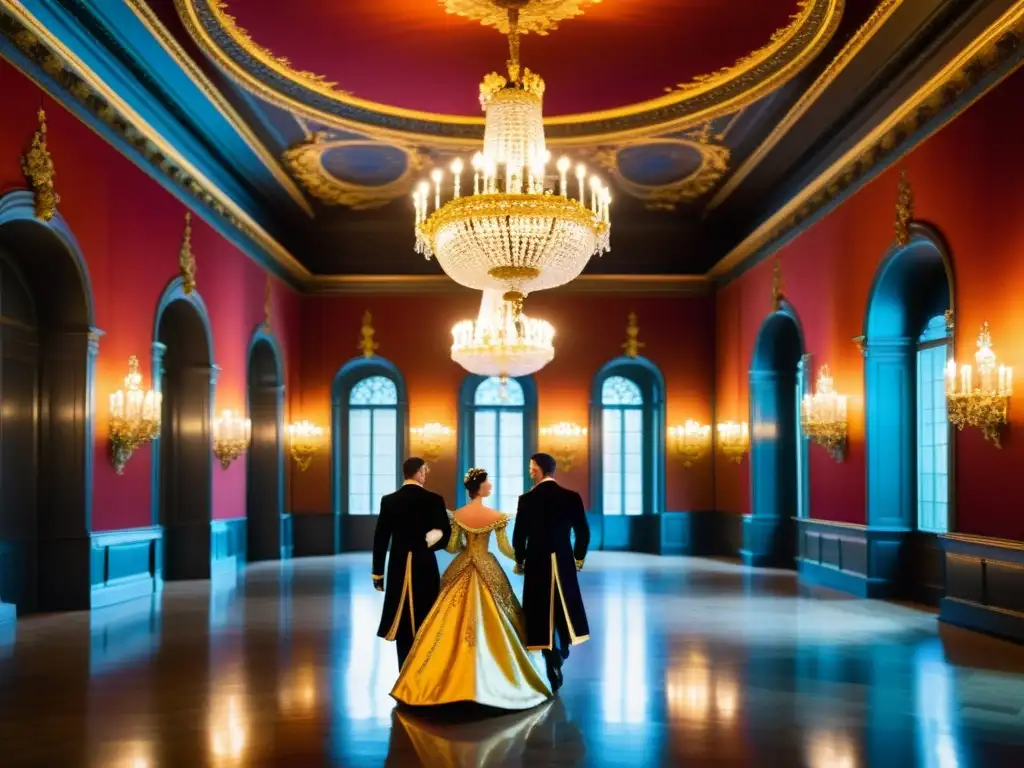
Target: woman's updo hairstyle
(473, 480)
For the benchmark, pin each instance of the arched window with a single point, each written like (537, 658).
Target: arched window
(372, 443)
(622, 438)
(932, 428)
(499, 426)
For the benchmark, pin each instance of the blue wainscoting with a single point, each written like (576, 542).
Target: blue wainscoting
(287, 537)
(8, 613)
(984, 585)
(851, 558)
(702, 532)
(126, 565)
(227, 546)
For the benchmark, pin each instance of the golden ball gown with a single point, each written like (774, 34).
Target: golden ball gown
(471, 646)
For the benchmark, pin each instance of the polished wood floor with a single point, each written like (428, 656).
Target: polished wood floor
(692, 662)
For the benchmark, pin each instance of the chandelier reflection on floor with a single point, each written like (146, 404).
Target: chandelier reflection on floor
(516, 232)
(502, 341)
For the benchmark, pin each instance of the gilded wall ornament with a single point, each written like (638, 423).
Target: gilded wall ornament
(539, 16)
(777, 294)
(37, 165)
(632, 345)
(186, 261)
(368, 346)
(904, 210)
(267, 304)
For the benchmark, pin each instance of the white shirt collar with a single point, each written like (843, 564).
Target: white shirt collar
(412, 482)
(546, 479)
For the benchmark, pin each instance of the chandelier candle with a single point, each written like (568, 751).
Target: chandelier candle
(134, 416)
(515, 233)
(984, 406)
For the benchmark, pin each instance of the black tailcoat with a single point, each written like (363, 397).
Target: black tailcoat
(412, 576)
(548, 558)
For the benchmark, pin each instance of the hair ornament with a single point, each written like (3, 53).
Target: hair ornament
(473, 474)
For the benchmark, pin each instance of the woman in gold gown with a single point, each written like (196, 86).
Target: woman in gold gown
(471, 646)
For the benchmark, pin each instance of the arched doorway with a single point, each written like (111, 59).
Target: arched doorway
(769, 532)
(47, 361)
(183, 371)
(909, 451)
(266, 535)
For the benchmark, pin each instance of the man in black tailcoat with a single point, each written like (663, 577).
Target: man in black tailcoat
(548, 560)
(414, 522)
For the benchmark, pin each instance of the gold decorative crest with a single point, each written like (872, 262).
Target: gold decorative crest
(267, 304)
(186, 260)
(904, 210)
(632, 345)
(37, 165)
(777, 294)
(538, 16)
(368, 346)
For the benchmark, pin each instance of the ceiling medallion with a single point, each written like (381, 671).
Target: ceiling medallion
(502, 342)
(539, 16)
(514, 233)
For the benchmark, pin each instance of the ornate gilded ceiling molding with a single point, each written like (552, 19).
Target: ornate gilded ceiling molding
(593, 285)
(998, 51)
(70, 73)
(714, 164)
(305, 161)
(808, 98)
(273, 79)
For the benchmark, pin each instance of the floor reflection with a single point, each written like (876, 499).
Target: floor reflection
(691, 662)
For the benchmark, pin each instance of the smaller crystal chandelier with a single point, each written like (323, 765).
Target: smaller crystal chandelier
(431, 439)
(304, 440)
(230, 437)
(985, 406)
(690, 440)
(502, 342)
(823, 416)
(134, 416)
(733, 439)
(564, 439)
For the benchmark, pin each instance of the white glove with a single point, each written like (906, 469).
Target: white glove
(433, 536)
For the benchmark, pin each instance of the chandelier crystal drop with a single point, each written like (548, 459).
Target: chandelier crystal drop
(502, 341)
(525, 226)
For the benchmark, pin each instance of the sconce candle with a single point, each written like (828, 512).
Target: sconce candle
(691, 441)
(430, 440)
(823, 416)
(134, 416)
(304, 440)
(734, 439)
(985, 406)
(231, 436)
(563, 441)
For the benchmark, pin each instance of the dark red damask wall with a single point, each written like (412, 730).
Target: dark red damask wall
(966, 185)
(129, 229)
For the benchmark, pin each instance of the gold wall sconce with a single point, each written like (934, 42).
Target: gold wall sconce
(823, 416)
(231, 435)
(134, 417)
(431, 440)
(986, 405)
(733, 439)
(691, 441)
(305, 439)
(564, 441)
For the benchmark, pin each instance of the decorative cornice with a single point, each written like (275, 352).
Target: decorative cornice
(722, 93)
(40, 46)
(809, 97)
(992, 55)
(595, 285)
(173, 48)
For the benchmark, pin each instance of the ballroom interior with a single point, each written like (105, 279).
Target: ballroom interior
(746, 272)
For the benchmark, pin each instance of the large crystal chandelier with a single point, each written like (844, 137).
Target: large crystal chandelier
(517, 232)
(502, 342)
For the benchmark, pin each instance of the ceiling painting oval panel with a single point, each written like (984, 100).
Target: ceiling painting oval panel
(365, 164)
(658, 163)
(407, 69)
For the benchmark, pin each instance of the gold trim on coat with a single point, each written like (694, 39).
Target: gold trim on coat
(574, 639)
(406, 589)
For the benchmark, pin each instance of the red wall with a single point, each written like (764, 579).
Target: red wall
(129, 229)
(414, 333)
(965, 184)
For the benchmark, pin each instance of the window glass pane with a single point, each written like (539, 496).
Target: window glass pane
(491, 392)
(374, 390)
(485, 424)
(372, 449)
(618, 390)
(932, 433)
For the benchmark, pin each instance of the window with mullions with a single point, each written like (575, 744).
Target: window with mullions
(372, 443)
(932, 428)
(499, 445)
(622, 438)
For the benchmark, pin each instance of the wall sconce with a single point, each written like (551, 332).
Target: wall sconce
(985, 406)
(564, 440)
(823, 416)
(734, 439)
(690, 440)
(430, 440)
(230, 437)
(304, 440)
(134, 417)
